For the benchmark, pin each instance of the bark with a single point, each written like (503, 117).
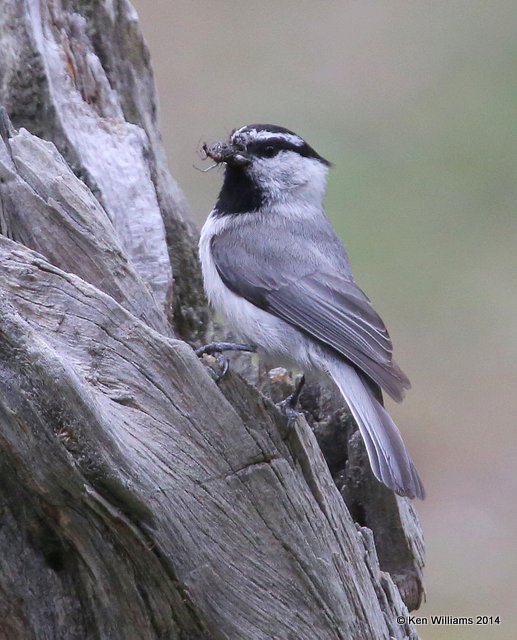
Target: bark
(78, 73)
(138, 498)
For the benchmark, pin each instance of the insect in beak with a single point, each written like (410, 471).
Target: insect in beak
(227, 153)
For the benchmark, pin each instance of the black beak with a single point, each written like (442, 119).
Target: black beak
(232, 155)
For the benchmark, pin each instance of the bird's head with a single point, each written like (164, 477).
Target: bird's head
(266, 165)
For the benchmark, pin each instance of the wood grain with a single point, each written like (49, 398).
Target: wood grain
(138, 498)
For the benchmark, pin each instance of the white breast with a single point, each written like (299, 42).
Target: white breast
(253, 325)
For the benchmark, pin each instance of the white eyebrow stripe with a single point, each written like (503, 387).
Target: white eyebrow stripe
(252, 135)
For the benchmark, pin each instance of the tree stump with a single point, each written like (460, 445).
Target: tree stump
(138, 498)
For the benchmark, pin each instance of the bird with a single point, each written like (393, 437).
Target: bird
(275, 268)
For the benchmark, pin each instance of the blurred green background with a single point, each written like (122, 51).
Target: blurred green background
(415, 102)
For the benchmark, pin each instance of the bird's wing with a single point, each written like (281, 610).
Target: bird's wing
(308, 292)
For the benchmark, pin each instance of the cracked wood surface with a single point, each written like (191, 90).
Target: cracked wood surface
(138, 499)
(45, 207)
(142, 474)
(77, 72)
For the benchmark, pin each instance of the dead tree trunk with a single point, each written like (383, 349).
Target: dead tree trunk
(138, 499)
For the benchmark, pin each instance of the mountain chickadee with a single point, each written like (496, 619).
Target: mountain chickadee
(275, 268)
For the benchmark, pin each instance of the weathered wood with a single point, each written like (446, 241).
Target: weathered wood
(78, 73)
(138, 499)
(143, 487)
(45, 207)
(392, 520)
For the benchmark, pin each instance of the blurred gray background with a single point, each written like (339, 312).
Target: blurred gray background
(416, 105)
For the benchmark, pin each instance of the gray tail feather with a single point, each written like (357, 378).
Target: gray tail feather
(389, 458)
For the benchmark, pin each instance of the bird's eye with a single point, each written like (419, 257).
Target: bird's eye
(270, 151)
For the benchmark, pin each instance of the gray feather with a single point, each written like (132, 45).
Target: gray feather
(300, 273)
(389, 458)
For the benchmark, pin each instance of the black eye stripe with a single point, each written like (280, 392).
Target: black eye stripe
(263, 147)
(271, 147)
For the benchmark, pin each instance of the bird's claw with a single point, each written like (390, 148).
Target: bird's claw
(216, 349)
(224, 365)
(288, 406)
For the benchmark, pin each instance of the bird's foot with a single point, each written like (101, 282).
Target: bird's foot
(216, 349)
(288, 406)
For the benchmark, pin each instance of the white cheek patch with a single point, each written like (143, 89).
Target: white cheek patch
(276, 176)
(288, 175)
